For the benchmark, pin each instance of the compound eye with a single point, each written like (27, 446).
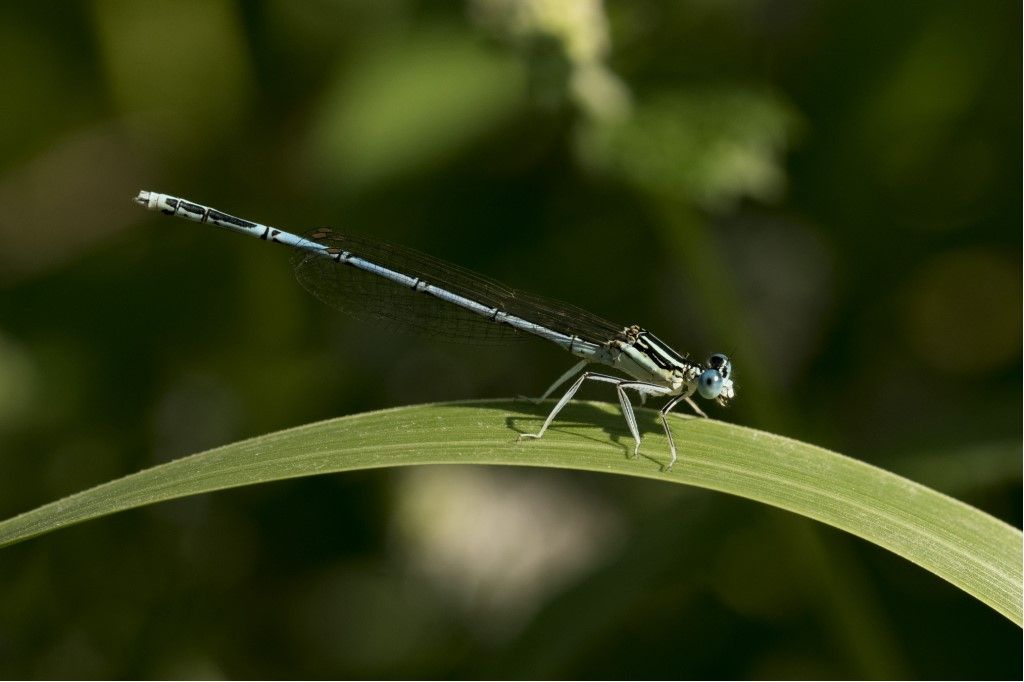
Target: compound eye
(710, 384)
(721, 363)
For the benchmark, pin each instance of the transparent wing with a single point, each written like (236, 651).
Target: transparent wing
(376, 299)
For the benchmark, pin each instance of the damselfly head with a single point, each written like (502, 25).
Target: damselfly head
(715, 382)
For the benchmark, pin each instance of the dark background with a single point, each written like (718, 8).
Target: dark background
(830, 192)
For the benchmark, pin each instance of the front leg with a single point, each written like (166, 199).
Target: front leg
(689, 400)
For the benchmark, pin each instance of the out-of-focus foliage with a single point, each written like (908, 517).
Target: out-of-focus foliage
(414, 103)
(828, 191)
(730, 140)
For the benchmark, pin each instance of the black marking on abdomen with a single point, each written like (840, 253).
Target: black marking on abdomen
(214, 214)
(194, 209)
(173, 203)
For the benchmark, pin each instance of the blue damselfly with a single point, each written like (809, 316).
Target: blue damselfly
(378, 281)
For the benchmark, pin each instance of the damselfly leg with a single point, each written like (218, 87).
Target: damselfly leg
(572, 371)
(620, 386)
(696, 408)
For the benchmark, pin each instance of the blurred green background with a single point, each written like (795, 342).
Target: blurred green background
(830, 192)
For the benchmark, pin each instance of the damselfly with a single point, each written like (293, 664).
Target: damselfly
(378, 281)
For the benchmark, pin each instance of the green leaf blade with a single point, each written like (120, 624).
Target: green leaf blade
(959, 543)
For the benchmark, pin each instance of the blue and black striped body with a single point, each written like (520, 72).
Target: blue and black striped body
(632, 350)
(393, 284)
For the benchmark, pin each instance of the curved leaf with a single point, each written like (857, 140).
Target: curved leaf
(959, 543)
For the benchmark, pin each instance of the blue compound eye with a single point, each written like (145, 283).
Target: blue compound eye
(721, 363)
(710, 384)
